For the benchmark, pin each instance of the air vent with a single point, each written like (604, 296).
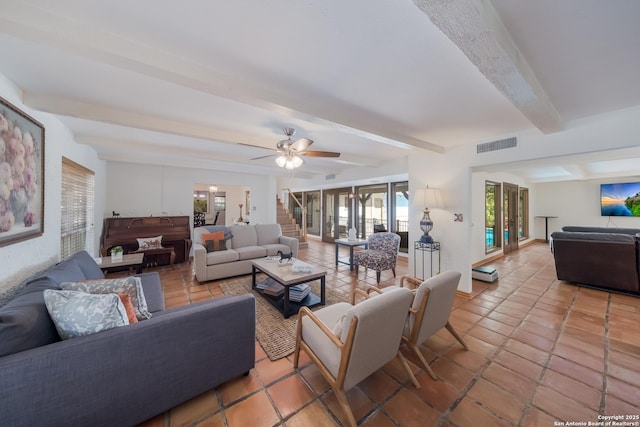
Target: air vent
(501, 144)
(330, 176)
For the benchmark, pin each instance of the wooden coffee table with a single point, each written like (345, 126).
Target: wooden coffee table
(283, 274)
(129, 260)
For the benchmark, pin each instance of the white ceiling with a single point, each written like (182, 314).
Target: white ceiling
(191, 83)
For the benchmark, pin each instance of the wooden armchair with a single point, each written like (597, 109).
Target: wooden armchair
(349, 342)
(429, 310)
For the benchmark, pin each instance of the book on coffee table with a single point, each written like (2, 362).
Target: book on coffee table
(275, 289)
(299, 292)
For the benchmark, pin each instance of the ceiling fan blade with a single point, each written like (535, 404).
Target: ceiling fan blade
(320, 154)
(301, 144)
(264, 157)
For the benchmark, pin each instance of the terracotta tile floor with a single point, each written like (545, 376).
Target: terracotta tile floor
(541, 351)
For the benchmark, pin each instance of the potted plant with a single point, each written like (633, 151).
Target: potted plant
(116, 253)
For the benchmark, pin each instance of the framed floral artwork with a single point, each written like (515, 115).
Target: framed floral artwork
(21, 175)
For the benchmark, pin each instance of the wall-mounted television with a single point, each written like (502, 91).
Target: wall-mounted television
(621, 199)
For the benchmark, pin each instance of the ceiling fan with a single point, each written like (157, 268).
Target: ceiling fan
(289, 151)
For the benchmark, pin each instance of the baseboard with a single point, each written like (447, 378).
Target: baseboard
(500, 254)
(466, 295)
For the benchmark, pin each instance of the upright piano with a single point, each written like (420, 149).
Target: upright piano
(175, 232)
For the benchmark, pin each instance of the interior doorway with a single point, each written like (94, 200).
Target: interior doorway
(510, 204)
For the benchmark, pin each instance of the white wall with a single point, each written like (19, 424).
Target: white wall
(143, 190)
(578, 203)
(449, 173)
(22, 257)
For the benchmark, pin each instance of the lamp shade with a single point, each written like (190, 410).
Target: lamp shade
(213, 188)
(433, 198)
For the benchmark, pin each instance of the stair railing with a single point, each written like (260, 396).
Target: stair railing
(304, 213)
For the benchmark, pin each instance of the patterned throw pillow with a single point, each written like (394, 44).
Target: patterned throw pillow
(215, 245)
(214, 241)
(127, 285)
(149, 243)
(78, 313)
(217, 235)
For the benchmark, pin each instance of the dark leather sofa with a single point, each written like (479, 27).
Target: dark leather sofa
(602, 257)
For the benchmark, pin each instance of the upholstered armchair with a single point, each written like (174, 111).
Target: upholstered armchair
(429, 310)
(382, 253)
(350, 342)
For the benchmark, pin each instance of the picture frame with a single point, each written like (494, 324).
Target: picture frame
(22, 179)
(247, 199)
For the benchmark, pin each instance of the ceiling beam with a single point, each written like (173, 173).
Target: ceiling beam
(474, 26)
(63, 106)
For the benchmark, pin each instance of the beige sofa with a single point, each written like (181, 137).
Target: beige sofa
(249, 242)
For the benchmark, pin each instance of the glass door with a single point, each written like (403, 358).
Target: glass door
(510, 204)
(312, 202)
(337, 214)
(399, 221)
(372, 209)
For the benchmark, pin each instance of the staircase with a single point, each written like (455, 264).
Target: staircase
(288, 224)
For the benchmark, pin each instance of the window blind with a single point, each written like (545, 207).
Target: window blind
(77, 205)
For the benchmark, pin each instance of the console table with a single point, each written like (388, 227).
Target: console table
(425, 249)
(130, 260)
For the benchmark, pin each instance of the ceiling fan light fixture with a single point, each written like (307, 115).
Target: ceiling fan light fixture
(281, 160)
(294, 162)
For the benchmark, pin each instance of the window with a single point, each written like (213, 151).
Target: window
(523, 214)
(77, 204)
(492, 194)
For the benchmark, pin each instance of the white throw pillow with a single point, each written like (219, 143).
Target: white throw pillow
(127, 285)
(78, 313)
(149, 243)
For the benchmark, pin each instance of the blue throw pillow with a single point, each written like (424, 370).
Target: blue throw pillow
(88, 265)
(25, 321)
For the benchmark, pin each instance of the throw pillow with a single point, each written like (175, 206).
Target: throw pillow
(337, 328)
(128, 285)
(128, 306)
(218, 235)
(149, 243)
(215, 245)
(77, 313)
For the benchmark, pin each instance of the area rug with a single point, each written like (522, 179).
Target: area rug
(276, 335)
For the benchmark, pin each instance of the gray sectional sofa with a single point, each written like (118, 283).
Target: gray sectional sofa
(602, 257)
(249, 242)
(122, 376)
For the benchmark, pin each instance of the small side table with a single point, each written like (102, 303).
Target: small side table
(424, 249)
(546, 226)
(351, 244)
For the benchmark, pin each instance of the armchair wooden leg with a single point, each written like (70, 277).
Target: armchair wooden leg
(378, 276)
(455, 335)
(418, 353)
(344, 404)
(296, 354)
(407, 368)
(394, 272)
